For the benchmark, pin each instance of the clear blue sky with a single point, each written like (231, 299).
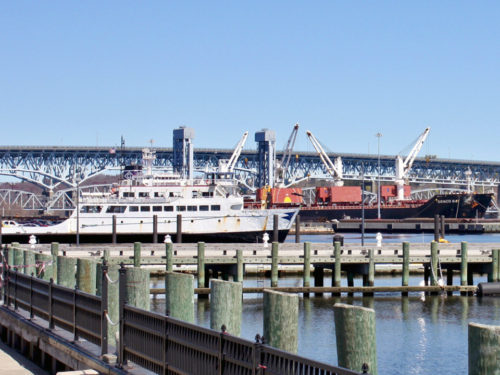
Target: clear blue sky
(87, 72)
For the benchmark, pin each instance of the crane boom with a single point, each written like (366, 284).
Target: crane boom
(404, 167)
(228, 165)
(335, 170)
(282, 165)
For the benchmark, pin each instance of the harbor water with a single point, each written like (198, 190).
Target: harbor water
(417, 334)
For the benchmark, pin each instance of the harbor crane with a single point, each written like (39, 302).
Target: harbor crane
(282, 165)
(228, 165)
(335, 169)
(403, 166)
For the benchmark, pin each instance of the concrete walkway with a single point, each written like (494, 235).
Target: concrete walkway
(13, 363)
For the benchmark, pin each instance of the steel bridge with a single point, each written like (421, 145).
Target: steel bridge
(54, 167)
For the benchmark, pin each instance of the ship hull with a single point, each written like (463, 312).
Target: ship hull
(456, 206)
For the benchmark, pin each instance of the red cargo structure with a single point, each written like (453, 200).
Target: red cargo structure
(391, 191)
(338, 195)
(280, 196)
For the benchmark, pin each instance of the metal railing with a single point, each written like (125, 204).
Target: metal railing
(154, 341)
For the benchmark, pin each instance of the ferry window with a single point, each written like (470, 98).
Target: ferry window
(133, 209)
(203, 208)
(90, 209)
(157, 195)
(168, 208)
(145, 208)
(208, 194)
(143, 194)
(181, 208)
(236, 207)
(156, 208)
(116, 209)
(192, 208)
(195, 194)
(215, 207)
(128, 194)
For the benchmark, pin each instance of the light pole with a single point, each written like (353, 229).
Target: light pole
(378, 135)
(77, 212)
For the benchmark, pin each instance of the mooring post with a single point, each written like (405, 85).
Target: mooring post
(297, 228)
(406, 266)
(355, 335)
(66, 271)
(275, 228)
(179, 296)
(137, 254)
(45, 267)
(29, 262)
(155, 228)
(463, 266)
(226, 304)
(201, 265)
(10, 255)
(240, 266)
(104, 305)
(178, 237)
(350, 282)
(370, 278)
(319, 277)
(18, 258)
(274, 265)
(169, 256)
(112, 276)
(281, 320)
(434, 263)
(337, 272)
(137, 288)
(436, 228)
(484, 349)
(493, 274)
(307, 267)
(54, 252)
(449, 279)
(86, 275)
(113, 229)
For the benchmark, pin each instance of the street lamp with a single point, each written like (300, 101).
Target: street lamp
(378, 135)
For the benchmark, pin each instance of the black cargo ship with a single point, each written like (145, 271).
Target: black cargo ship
(456, 206)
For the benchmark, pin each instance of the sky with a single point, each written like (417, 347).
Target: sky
(85, 73)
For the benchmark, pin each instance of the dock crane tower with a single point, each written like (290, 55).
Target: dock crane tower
(283, 164)
(335, 169)
(403, 166)
(228, 165)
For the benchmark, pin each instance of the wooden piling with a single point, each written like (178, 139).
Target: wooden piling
(86, 275)
(275, 228)
(179, 296)
(370, 278)
(274, 264)
(319, 278)
(307, 266)
(29, 262)
(137, 254)
(169, 257)
(178, 237)
(355, 335)
(449, 279)
(297, 228)
(137, 288)
(484, 349)
(493, 274)
(434, 263)
(201, 265)
(406, 266)
(18, 258)
(226, 305)
(54, 251)
(10, 255)
(155, 228)
(240, 266)
(113, 229)
(336, 277)
(66, 271)
(463, 265)
(281, 320)
(443, 227)
(45, 267)
(436, 228)
(350, 282)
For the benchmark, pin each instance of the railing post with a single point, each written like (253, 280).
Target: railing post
(15, 289)
(122, 295)
(31, 297)
(5, 273)
(75, 326)
(51, 317)
(104, 308)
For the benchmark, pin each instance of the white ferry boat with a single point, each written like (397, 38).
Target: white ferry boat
(211, 210)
